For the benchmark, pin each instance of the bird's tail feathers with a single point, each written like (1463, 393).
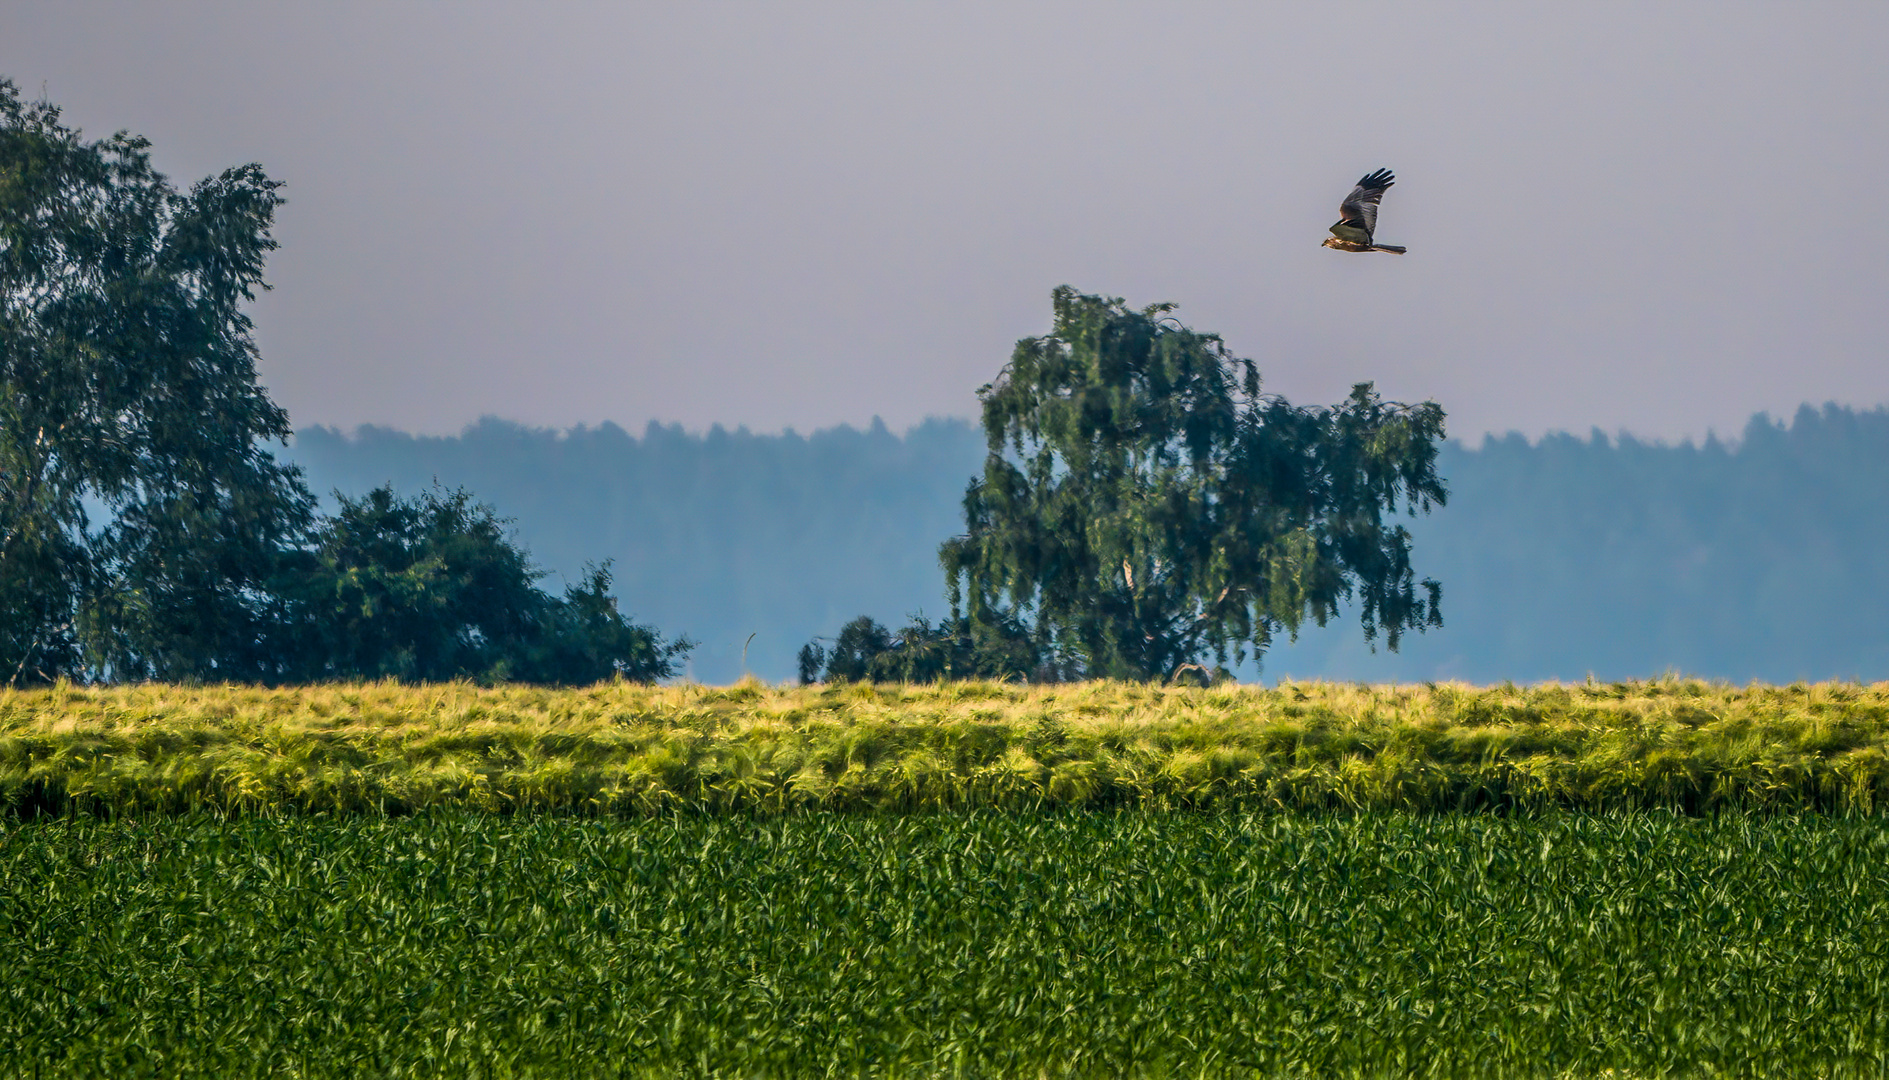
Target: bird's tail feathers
(1387, 247)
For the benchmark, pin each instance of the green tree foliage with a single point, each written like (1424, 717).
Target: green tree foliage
(1564, 555)
(923, 651)
(1145, 504)
(128, 386)
(145, 530)
(854, 655)
(722, 532)
(432, 588)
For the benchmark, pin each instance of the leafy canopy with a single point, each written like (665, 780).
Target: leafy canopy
(432, 588)
(146, 532)
(1144, 504)
(128, 390)
(922, 652)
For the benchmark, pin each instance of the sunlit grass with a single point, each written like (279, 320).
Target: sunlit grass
(629, 750)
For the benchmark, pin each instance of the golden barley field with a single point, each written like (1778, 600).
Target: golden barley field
(625, 749)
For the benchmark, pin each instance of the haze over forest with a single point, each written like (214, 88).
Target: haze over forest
(811, 214)
(789, 216)
(1559, 558)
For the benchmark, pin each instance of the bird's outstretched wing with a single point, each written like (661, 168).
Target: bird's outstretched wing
(1360, 207)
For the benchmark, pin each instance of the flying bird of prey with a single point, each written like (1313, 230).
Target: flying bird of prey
(1357, 217)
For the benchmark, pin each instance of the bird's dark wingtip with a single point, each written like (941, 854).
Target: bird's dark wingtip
(1379, 179)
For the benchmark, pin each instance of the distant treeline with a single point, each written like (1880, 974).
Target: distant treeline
(1759, 559)
(716, 536)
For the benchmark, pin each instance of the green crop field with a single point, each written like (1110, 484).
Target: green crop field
(974, 944)
(1667, 878)
(628, 750)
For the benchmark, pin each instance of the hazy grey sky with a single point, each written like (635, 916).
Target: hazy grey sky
(1653, 217)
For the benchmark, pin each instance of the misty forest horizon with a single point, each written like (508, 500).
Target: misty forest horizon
(1142, 508)
(1560, 557)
